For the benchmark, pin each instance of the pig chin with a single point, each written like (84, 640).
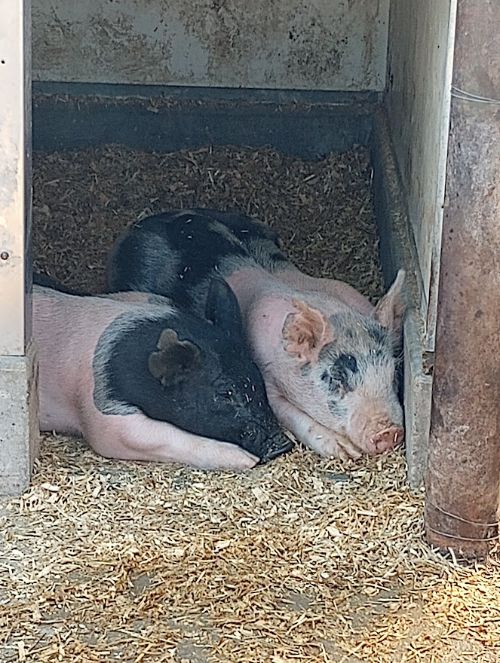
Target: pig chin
(378, 431)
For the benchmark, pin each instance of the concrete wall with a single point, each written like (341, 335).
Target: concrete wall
(18, 366)
(421, 36)
(294, 44)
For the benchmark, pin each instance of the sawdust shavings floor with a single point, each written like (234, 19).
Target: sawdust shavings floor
(302, 560)
(322, 209)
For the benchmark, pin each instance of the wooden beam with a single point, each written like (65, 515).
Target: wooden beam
(15, 174)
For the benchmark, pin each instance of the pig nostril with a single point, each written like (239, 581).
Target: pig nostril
(388, 438)
(278, 451)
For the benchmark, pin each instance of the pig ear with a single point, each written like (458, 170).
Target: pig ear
(390, 310)
(174, 358)
(222, 308)
(306, 332)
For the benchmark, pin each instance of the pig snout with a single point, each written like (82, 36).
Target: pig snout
(266, 442)
(387, 439)
(379, 432)
(277, 445)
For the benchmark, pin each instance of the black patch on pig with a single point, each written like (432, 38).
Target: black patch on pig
(141, 259)
(339, 374)
(377, 333)
(245, 228)
(208, 385)
(337, 408)
(222, 315)
(346, 363)
(173, 253)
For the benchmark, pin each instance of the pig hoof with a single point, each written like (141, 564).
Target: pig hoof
(225, 456)
(244, 463)
(343, 449)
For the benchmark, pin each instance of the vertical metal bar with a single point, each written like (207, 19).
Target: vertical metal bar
(463, 474)
(18, 392)
(436, 235)
(15, 174)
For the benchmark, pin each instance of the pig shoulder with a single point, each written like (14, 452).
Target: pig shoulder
(261, 241)
(173, 255)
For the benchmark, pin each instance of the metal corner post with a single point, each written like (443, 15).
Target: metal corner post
(18, 388)
(463, 474)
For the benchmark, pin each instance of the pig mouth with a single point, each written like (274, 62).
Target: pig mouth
(386, 439)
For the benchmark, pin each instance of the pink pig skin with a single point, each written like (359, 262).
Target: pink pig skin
(66, 331)
(266, 301)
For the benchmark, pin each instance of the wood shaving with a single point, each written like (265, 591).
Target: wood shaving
(322, 209)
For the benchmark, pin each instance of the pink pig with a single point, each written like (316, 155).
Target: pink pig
(310, 333)
(141, 380)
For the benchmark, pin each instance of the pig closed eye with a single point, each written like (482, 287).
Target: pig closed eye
(331, 382)
(346, 363)
(338, 378)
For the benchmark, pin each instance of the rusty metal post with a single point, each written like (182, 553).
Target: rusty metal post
(463, 474)
(18, 397)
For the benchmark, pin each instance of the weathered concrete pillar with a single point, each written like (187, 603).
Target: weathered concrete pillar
(463, 475)
(18, 397)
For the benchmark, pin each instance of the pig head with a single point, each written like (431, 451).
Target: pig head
(334, 377)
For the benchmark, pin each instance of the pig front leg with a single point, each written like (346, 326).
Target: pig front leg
(323, 441)
(136, 437)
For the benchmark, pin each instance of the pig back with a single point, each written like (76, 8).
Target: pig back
(176, 253)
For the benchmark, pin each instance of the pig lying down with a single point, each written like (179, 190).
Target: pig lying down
(326, 354)
(141, 380)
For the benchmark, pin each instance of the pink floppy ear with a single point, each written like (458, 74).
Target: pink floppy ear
(390, 310)
(306, 332)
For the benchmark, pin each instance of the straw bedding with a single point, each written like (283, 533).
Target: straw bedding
(301, 560)
(322, 210)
